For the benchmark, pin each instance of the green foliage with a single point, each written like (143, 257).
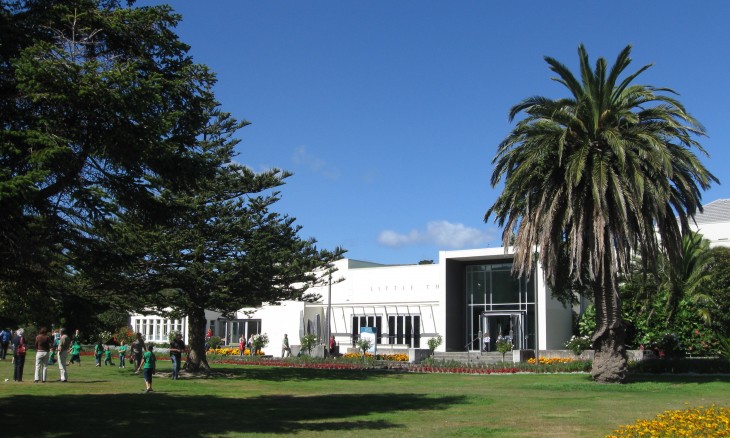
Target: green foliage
(260, 341)
(719, 288)
(676, 366)
(503, 346)
(104, 336)
(308, 342)
(587, 321)
(579, 344)
(124, 334)
(433, 343)
(724, 347)
(100, 103)
(363, 344)
(695, 325)
(214, 342)
(580, 183)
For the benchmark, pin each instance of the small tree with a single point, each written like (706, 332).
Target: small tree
(214, 342)
(308, 342)
(260, 341)
(503, 346)
(364, 345)
(433, 343)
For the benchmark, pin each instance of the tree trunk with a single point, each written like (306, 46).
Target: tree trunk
(196, 339)
(610, 364)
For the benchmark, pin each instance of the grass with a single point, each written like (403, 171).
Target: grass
(251, 400)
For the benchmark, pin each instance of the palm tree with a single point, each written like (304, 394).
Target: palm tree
(595, 177)
(687, 276)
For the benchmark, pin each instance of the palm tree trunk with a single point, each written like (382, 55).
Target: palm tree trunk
(196, 333)
(610, 364)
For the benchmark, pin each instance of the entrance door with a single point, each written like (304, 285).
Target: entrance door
(501, 325)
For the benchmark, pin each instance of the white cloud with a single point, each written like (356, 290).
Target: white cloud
(315, 164)
(443, 234)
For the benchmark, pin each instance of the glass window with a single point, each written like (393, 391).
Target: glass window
(367, 321)
(505, 289)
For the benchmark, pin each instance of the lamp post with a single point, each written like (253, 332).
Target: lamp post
(329, 312)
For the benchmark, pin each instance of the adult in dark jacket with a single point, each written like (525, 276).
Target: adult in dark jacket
(19, 348)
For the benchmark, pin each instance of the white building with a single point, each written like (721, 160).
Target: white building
(714, 222)
(464, 296)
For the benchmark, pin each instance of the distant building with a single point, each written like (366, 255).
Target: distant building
(714, 222)
(465, 296)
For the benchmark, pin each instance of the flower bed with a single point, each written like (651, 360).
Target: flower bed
(399, 357)
(692, 422)
(233, 351)
(550, 360)
(358, 363)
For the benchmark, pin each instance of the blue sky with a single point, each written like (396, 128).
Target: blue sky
(390, 112)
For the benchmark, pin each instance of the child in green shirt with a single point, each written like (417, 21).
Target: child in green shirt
(148, 362)
(98, 352)
(122, 349)
(108, 356)
(75, 353)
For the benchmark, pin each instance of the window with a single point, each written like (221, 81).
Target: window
(405, 330)
(367, 321)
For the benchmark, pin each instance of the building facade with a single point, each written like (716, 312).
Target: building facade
(467, 295)
(464, 297)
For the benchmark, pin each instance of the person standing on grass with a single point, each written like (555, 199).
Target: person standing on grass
(5, 337)
(177, 347)
(64, 345)
(137, 350)
(43, 346)
(122, 354)
(149, 362)
(19, 348)
(75, 353)
(98, 351)
(108, 356)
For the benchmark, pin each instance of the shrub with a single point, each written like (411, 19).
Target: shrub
(124, 334)
(578, 344)
(673, 366)
(214, 342)
(433, 343)
(364, 345)
(260, 341)
(308, 342)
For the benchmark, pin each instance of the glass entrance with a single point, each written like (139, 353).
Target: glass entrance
(502, 325)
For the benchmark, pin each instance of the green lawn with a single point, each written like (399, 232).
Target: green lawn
(249, 400)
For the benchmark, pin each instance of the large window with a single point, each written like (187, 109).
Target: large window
(404, 330)
(367, 321)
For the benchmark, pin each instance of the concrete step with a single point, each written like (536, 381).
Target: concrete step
(479, 357)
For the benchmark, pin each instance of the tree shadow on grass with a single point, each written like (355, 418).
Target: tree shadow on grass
(197, 416)
(283, 374)
(677, 378)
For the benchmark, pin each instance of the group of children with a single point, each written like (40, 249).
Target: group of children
(103, 350)
(147, 363)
